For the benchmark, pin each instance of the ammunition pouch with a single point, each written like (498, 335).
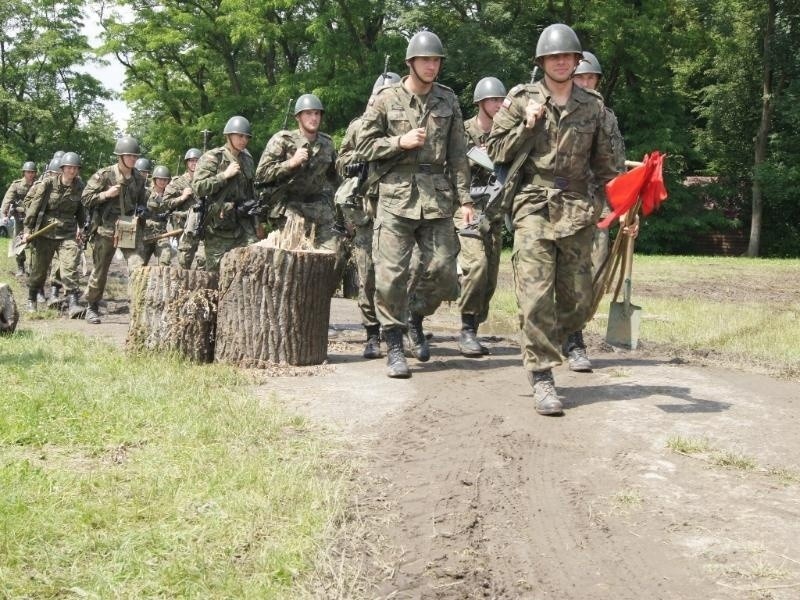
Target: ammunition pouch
(126, 231)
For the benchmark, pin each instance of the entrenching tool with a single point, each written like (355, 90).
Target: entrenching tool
(19, 246)
(624, 317)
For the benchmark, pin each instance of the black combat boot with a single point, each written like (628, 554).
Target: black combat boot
(484, 349)
(468, 343)
(40, 297)
(372, 349)
(417, 339)
(396, 365)
(32, 293)
(545, 399)
(93, 313)
(74, 309)
(575, 351)
(55, 290)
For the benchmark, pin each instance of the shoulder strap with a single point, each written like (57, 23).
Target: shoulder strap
(48, 187)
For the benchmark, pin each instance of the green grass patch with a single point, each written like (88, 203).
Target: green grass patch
(140, 476)
(734, 460)
(684, 445)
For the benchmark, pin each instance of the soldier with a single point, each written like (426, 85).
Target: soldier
(144, 166)
(299, 169)
(13, 206)
(559, 130)
(156, 222)
(414, 132)
(56, 200)
(224, 180)
(115, 193)
(180, 199)
(359, 217)
(479, 258)
(587, 76)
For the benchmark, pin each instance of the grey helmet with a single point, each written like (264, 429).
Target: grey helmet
(383, 80)
(161, 172)
(558, 39)
(424, 43)
(192, 153)
(307, 102)
(143, 164)
(70, 159)
(54, 165)
(127, 145)
(589, 64)
(238, 124)
(29, 166)
(58, 154)
(488, 87)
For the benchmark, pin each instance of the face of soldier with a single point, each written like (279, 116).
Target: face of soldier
(160, 183)
(29, 176)
(126, 162)
(309, 120)
(589, 81)
(238, 141)
(191, 165)
(68, 174)
(490, 106)
(559, 67)
(425, 68)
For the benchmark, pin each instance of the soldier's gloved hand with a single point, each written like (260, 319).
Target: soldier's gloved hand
(299, 158)
(533, 112)
(232, 170)
(413, 139)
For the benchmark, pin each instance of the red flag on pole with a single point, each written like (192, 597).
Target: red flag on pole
(645, 181)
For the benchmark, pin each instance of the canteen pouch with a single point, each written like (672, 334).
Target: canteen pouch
(125, 231)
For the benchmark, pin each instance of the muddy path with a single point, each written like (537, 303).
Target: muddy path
(463, 491)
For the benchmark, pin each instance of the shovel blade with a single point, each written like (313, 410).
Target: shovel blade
(623, 325)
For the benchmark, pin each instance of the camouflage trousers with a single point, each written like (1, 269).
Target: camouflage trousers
(159, 248)
(217, 244)
(553, 284)
(102, 254)
(393, 242)
(18, 228)
(320, 216)
(479, 261)
(599, 249)
(362, 253)
(67, 259)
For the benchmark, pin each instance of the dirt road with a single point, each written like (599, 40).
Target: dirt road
(464, 492)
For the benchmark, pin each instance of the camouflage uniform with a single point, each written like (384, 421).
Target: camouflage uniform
(154, 225)
(224, 228)
(132, 195)
(554, 216)
(417, 197)
(14, 208)
(63, 206)
(361, 220)
(479, 258)
(308, 190)
(189, 246)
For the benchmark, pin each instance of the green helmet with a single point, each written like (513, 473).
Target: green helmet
(192, 153)
(54, 165)
(161, 172)
(488, 87)
(237, 124)
(143, 164)
(58, 154)
(29, 166)
(387, 79)
(424, 43)
(127, 145)
(589, 64)
(307, 102)
(558, 39)
(70, 159)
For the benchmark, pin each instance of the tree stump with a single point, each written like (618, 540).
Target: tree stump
(173, 309)
(274, 302)
(9, 314)
(350, 280)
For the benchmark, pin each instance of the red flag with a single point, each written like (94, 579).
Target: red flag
(645, 181)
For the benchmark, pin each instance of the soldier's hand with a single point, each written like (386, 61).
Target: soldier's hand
(232, 170)
(632, 229)
(468, 213)
(187, 191)
(111, 192)
(533, 112)
(299, 158)
(413, 139)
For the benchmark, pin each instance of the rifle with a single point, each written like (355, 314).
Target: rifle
(271, 196)
(206, 134)
(197, 227)
(490, 195)
(288, 110)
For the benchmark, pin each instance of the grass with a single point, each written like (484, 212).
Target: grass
(140, 477)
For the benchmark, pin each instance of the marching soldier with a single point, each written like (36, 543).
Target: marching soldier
(414, 132)
(56, 200)
(224, 180)
(156, 222)
(559, 130)
(179, 199)
(117, 194)
(479, 258)
(145, 167)
(13, 206)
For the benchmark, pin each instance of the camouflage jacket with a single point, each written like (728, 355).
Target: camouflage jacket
(314, 180)
(156, 223)
(476, 137)
(596, 188)
(223, 195)
(427, 182)
(63, 206)
(133, 194)
(571, 146)
(15, 194)
(347, 150)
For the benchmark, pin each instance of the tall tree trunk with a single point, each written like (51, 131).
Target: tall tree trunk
(767, 106)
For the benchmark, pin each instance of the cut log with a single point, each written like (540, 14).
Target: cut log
(175, 310)
(274, 304)
(9, 314)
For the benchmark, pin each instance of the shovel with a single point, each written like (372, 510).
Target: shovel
(19, 246)
(624, 317)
